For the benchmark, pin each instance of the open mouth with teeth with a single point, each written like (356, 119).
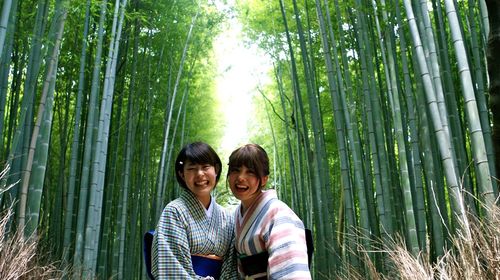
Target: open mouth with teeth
(241, 188)
(202, 183)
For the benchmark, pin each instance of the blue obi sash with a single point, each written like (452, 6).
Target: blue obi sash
(204, 266)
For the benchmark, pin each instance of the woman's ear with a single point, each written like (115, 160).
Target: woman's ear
(181, 174)
(263, 181)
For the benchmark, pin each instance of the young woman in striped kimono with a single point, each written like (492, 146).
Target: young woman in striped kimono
(194, 227)
(270, 238)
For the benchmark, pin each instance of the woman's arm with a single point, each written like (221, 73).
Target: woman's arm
(286, 245)
(171, 254)
(229, 267)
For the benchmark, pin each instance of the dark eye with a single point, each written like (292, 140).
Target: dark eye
(233, 169)
(206, 166)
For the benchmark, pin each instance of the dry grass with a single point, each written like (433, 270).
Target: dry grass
(477, 257)
(18, 255)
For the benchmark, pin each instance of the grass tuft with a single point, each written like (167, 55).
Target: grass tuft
(18, 255)
(474, 257)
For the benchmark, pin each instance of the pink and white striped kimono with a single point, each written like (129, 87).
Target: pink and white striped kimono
(269, 225)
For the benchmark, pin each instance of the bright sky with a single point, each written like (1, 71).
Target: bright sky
(241, 69)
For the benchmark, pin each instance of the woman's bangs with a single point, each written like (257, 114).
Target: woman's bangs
(243, 157)
(199, 156)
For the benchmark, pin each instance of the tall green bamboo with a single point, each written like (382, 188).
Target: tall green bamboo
(320, 172)
(129, 150)
(161, 170)
(361, 176)
(291, 158)
(429, 46)
(75, 146)
(89, 144)
(30, 86)
(456, 122)
(6, 8)
(41, 132)
(319, 224)
(126, 176)
(93, 225)
(147, 197)
(413, 134)
(6, 58)
(342, 119)
(109, 247)
(477, 138)
(17, 157)
(478, 74)
(440, 130)
(25, 130)
(404, 165)
(494, 90)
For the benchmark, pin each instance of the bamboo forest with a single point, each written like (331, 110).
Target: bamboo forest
(381, 120)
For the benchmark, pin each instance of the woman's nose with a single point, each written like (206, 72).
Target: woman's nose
(200, 171)
(240, 177)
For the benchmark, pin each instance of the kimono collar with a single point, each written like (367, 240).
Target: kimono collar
(210, 209)
(254, 208)
(196, 206)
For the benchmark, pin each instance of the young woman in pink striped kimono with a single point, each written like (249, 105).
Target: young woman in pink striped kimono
(270, 238)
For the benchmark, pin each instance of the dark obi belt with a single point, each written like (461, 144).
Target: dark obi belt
(206, 266)
(255, 266)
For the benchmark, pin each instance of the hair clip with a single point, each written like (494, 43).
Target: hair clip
(181, 163)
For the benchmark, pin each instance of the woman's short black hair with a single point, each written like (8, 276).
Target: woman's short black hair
(252, 156)
(197, 153)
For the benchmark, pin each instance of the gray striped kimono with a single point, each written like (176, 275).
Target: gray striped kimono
(184, 230)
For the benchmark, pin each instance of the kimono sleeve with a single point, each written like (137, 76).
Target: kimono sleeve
(171, 253)
(229, 267)
(286, 245)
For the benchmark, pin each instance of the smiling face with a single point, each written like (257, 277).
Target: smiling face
(197, 168)
(248, 173)
(245, 184)
(200, 179)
